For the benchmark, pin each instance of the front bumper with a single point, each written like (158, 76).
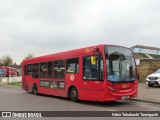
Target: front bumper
(153, 82)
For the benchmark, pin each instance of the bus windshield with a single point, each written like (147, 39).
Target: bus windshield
(121, 65)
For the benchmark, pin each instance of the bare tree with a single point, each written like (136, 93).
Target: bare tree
(1, 63)
(30, 55)
(7, 60)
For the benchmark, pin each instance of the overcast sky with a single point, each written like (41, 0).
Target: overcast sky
(47, 26)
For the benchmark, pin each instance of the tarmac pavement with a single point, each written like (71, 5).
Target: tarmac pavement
(148, 94)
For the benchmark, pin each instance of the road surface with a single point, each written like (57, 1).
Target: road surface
(16, 99)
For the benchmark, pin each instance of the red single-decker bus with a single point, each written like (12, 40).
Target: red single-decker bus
(97, 73)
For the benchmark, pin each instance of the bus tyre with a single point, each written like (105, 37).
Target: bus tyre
(73, 94)
(35, 90)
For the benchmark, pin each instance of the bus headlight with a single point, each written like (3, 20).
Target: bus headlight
(111, 88)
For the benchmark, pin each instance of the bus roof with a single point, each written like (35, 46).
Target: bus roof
(66, 54)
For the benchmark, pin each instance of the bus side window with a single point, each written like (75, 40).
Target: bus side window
(72, 65)
(43, 70)
(35, 70)
(59, 69)
(25, 70)
(101, 68)
(29, 69)
(50, 69)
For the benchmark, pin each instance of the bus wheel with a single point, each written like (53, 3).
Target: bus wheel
(35, 89)
(73, 94)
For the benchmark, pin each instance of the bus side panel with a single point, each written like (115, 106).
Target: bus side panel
(87, 90)
(26, 82)
(52, 90)
(91, 90)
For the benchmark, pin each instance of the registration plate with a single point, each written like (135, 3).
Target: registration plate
(152, 82)
(125, 97)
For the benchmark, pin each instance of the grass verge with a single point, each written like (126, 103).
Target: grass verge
(15, 83)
